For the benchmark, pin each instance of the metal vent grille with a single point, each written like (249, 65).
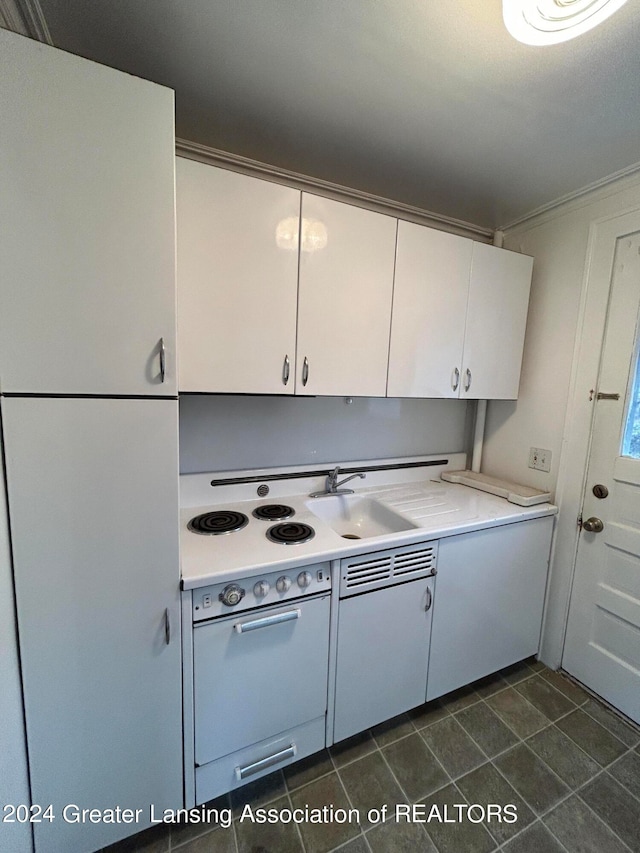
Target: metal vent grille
(385, 568)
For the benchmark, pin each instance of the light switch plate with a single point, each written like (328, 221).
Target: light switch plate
(540, 459)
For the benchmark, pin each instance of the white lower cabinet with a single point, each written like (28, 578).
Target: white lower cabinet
(488, 602)
(15, 835)
(93, 498)
(384, 625)
(383, 650)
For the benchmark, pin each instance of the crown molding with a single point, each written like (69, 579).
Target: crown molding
(611, 184)
(237, 163)
(25, 17)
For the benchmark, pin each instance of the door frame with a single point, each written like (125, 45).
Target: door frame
(576, 440)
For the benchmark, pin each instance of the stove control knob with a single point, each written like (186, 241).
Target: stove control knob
(231, 595)
(283, 583)
(261, 589)
(304, 579)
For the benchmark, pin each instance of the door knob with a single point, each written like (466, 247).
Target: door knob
(593, 525)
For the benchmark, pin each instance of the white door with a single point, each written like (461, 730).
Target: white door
(602, 645)
(496, 323)
(237, 281)
(430, 293)
(87, 225)
(93, 504)
(344, 299)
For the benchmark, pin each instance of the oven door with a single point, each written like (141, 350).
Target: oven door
(257, 674)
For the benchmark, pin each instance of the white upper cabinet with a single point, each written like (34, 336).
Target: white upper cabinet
(87, 224)
(287, 293)
(459, 317)
(237, 281)
(429, 310)
(344, 302)
(496, 323)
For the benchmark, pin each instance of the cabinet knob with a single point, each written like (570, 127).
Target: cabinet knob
(305, 371)
(467, 383)
(455, 379)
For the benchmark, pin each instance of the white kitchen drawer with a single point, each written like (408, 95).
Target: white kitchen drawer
(218, 777)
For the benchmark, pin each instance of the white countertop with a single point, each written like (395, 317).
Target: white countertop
(438, 509)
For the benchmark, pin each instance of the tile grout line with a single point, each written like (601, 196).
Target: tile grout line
(524, 829)
(346, 793)
(587, 806)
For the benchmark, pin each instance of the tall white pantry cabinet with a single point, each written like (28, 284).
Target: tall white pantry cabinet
(89, 424)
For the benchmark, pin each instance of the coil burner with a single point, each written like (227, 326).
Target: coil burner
(290, 533)
(219, 522)
(273, 512)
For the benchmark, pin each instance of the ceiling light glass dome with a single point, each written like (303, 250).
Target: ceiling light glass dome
(540, 22)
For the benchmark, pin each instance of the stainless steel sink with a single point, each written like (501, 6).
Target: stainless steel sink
(358, 517)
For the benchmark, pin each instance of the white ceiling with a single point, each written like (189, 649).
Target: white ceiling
(428, 103)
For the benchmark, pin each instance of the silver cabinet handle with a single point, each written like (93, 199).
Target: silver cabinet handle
(467, 383)
(162, 360)
(269, 761)
(429, 600)
(276, 619)
(305, 371)
(167, 626)
(285, 370)
(456, 380)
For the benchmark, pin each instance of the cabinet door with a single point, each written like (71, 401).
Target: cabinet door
(383, 652)
(237, 281)
(344, 300)
(496, 322)
(88, 226)
(92, 486)
(430, 293)
(488, 602)
(14, 783)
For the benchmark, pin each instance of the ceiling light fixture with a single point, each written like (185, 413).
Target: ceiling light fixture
(541, 22)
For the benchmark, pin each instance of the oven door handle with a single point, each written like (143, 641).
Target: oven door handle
(276, 619)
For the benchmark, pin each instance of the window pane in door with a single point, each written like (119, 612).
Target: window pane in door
(631, 439)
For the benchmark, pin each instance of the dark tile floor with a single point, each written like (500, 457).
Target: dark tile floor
(526, 736)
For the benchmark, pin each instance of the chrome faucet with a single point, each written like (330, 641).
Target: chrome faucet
(333, 486)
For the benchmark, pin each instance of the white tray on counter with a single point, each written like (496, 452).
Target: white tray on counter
(515, 493)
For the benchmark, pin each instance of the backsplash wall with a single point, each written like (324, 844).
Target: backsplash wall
(226, 433)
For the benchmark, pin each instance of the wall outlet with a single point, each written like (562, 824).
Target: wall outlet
(540, 459)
